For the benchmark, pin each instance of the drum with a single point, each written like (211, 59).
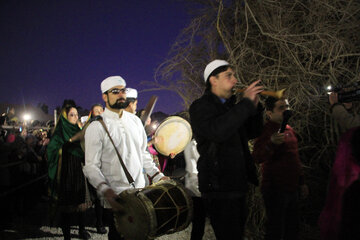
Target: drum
(172, 135)
(158, 209)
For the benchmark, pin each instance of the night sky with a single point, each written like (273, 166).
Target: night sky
(54, 50)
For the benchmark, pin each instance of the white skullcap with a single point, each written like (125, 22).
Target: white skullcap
(131, 93)
(213, 66)
(111, 82)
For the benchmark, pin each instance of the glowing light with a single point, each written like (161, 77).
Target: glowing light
(27, 117)
(329, 88)
(154, 126)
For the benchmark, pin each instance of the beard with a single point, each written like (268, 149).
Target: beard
(118, 104)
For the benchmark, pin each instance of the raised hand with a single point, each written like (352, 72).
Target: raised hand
(252, 91)
(333, 98)
(277, 138)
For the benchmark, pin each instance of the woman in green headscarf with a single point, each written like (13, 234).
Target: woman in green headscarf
(68, 185)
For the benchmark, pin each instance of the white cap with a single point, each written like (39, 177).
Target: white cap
(213, 66)
(131, 93)
(111, 82)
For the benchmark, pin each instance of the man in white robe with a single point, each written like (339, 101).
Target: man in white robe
(102, 165)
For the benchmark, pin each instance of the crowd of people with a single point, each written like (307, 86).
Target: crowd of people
(23, 166)
(90, 161)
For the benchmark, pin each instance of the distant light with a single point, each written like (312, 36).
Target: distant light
(27, 117)
(329, 88)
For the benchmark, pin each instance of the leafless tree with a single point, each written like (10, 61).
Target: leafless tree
(300, 45)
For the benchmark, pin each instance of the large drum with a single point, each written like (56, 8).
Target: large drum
(158, 209)
(172, 135)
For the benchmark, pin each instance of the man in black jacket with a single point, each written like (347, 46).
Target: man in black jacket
(222, 129)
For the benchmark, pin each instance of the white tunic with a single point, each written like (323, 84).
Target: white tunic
(102, 165)
(191, 178)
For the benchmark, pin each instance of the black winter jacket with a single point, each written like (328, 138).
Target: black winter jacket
(222, 131)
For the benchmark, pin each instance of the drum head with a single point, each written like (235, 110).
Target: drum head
(173, 135)
(139, 220)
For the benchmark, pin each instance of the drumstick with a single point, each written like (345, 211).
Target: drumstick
(148, 109)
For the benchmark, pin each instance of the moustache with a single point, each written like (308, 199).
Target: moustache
(121, 99)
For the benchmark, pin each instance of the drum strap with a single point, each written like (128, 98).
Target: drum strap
(128, 176)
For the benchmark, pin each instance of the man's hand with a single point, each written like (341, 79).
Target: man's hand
(165, 178)
(277, 138)
(153, 141)
(251, 92)
(111, 197)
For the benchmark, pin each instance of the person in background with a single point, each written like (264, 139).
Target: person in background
(282, 176)
(43, 142)
(344, 170)
(96, 110)
(131, 100)
(68, 185)
(11, 118)
(342, 113)
(222, 128)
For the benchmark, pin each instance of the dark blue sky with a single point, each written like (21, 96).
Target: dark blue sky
(53, 50)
